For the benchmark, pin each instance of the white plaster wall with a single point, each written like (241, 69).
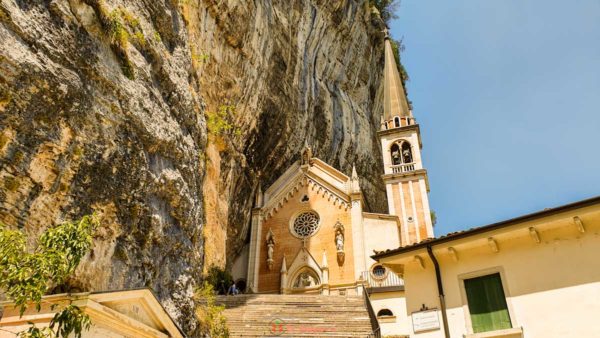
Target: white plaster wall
(396, 302)
(564, 312)
(359, 235)
(380, 234)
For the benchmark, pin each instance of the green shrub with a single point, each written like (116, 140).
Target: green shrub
(130, 19)
(140, 38)
(209, 314)
(77, 151)
(200, 57)
(115, 23)
(157, 37)
(218, 122)
(118, 33)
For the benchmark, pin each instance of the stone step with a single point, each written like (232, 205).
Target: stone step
(298, 315)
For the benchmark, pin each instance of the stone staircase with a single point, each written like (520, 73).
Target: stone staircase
(296, 316)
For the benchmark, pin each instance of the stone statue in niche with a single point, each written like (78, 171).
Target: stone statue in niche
(339, 242)
(304, 280)
(270, 249)
(306, 154)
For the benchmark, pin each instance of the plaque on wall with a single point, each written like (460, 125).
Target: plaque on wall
(425, 320)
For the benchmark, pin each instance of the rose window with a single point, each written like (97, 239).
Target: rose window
(306, 224)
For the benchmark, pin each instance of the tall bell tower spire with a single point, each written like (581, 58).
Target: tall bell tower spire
(405, 178)
(395, 103)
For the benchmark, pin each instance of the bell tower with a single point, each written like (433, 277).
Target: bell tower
(405, 178)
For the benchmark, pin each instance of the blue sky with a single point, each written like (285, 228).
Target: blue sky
(507, 94)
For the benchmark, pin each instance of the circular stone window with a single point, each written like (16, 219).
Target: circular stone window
(306, 224)
(379, 272)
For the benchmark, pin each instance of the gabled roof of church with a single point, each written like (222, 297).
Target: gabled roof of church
(394, 98)
(310, 172)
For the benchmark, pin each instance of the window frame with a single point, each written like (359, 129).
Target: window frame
(465, 303)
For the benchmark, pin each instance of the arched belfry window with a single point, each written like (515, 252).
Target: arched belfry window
(401, 152)
(406, 153)
(396, 155)
(396, 121)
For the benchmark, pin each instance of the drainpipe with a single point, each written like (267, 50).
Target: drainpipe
(438, 277)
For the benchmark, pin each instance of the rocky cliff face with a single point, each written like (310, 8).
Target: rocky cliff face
(103, 105)
(296, 71)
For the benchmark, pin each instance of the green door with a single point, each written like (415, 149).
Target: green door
(487, 303)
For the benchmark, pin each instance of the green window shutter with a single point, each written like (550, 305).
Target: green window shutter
(487, 303)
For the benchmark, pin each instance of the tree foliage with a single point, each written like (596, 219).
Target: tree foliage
(26, 275)
(219, 279)
(209, 314)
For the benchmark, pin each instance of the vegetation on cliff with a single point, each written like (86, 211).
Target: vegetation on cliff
(209, 314)
(387, 8)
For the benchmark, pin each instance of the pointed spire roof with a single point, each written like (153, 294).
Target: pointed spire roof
(283, 265)
(395, 103)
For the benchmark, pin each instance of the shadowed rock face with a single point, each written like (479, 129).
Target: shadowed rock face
(297, 71)
(92, 119)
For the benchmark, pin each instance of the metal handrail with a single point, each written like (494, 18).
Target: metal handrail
(373, 318)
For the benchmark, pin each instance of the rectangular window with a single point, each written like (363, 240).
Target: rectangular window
(487, 303)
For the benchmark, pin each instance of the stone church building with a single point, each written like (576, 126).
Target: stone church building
(310, 233)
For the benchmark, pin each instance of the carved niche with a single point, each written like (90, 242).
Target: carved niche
(339, 241)
(270, 249)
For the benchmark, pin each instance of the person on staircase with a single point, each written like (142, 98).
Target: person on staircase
(233, 290)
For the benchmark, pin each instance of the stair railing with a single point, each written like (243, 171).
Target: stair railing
(374, 322)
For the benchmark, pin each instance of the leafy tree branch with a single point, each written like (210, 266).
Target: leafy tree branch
(27, 275)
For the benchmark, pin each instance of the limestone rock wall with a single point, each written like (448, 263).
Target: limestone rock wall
(102, 109)
(296, 71)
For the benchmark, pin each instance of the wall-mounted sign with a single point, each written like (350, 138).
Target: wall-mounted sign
(425, 320)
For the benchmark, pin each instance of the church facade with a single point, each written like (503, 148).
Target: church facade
(310, 233)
